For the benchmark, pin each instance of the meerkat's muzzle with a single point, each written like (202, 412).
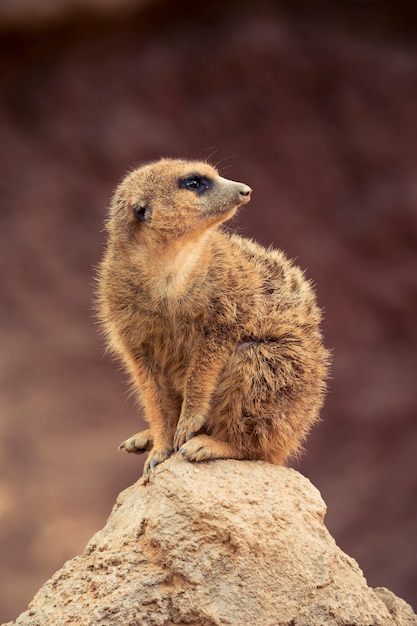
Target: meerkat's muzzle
(241, 193)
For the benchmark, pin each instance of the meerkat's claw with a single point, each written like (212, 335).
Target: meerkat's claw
(139, 443)
(179, 439)
(203, 447)
(194, 451)
(185, 432)
(130, 446)
(155, 458)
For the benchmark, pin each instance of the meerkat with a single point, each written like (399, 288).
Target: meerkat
(221, 337)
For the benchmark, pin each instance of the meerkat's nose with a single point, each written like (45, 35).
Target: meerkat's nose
(245, 192)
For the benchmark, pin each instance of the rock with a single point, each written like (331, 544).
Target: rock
(225, 542)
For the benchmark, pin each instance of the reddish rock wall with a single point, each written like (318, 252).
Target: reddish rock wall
(317, 114)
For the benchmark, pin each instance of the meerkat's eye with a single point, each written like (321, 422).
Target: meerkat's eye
(196, 183)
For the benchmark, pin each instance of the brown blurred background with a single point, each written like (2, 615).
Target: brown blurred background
(316, 109)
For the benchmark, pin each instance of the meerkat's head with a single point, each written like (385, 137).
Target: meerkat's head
(172, 199)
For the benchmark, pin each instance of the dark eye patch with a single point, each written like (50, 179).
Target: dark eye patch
(196, 182)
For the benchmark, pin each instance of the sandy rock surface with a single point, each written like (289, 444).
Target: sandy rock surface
(218, 543)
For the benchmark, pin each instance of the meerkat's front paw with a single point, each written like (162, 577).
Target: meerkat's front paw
(139, 443)
(186, 429)
(156, 457)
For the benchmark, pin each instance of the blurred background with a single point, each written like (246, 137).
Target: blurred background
(314, 105)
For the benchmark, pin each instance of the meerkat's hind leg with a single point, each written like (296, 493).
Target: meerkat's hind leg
(203, 447)
(138, 443)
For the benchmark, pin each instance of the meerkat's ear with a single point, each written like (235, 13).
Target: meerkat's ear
(142, 211)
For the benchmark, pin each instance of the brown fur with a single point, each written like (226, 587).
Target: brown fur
(220, 336)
